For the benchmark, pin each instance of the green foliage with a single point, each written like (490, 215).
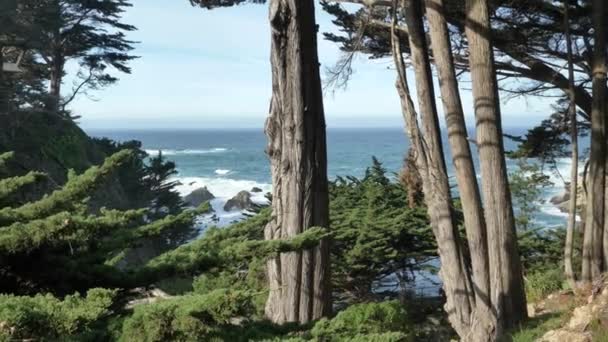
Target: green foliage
(540, 247)
(375, 233)
(165, 199)
(223, 249)
(46, 317)
(10, 186)
(4, 159)
(59, 244)
(527, 184)
(68, 196)
(187, 318)
(89, 34)
(535, 328)
(384, 321)
(541, 283)
(599, 328)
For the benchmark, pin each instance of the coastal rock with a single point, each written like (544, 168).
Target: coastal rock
(144, 296)
(562, 202)
(559, 199)
(564, 335)
(198, 197)
(242, 201)
(255, 189)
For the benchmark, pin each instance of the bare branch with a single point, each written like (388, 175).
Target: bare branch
(367, 3)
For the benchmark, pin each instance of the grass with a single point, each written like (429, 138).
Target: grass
(536, 327)
(599, 328)
(541, 283)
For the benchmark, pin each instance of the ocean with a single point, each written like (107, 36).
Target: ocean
(228, 161)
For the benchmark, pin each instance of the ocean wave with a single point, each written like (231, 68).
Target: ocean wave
(222, 172)
(223, 189)
(171, 152)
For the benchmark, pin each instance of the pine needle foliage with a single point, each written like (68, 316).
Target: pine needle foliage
(49, 318)
(375, 234)
(53, 243)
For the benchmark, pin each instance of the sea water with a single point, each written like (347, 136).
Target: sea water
(229, 161)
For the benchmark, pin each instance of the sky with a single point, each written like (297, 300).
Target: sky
(211, 69)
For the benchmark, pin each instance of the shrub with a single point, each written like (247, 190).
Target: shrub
(541, 283)
(187, 318)
(46, 317)
(385, 321)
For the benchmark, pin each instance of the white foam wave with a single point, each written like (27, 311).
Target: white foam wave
(222, 172)
(223, 189)
(171, 152)
(558, 174)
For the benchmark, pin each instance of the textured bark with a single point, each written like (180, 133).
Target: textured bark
(4, 96)
(594, 217)
(600, 96)
(298, 281)
(568, 248)
(431, 164)
(507, 290)
(56, 77)
(463, 165)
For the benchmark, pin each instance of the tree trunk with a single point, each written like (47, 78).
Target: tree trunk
(507, 290)
(600, 96)
(299, 281)
(463, 165)
(568, 268)
(4, 92)
(594, 218)
(56, 77)
(431, 163)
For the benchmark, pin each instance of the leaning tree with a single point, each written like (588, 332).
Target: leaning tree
(484, 292)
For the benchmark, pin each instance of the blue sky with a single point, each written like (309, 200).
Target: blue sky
(211, 69)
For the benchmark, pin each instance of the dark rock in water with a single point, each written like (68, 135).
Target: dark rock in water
(256, 189)
(559, 199)
(242, 201)
(198, 197)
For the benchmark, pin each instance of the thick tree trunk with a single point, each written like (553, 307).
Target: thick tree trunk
(299, 281)
(431, 163)
(463, 166)
(507, 289)
(600, 96)
(568, 249)
(594, 217)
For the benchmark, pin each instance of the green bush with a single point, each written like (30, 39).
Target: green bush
(385, 321)
(46, 317)
(187, 318)
(541, 283)
(375, 234)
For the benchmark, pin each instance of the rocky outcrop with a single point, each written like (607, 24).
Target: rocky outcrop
(559, 199)
(242, 201)
(198, 197)
(145, 296)
(562, 201)
(564, 335)
(580, 326)
(255, 189)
